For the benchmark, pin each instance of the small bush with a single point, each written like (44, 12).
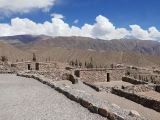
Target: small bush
(4, 59)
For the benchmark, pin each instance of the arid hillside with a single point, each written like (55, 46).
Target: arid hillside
(13, 53)
(65, 49)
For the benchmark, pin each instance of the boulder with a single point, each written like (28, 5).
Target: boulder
(134, 113)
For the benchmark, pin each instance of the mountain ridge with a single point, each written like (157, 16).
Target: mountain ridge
(70, 48)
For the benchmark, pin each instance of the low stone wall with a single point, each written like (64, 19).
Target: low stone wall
(92, 86)
(100, 75)
(42, 66)
(149, 77)
(88, 101)
(6, 69)
(143, 100)
(7, 72)
(93, 76)
(138, 88)
(99, 88)
(132, 80)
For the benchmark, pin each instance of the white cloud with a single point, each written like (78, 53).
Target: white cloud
(58, 16)
(76, 21)
(102, 29)
(151, 34)
(154, 33)
(139, 32)
(24, 6)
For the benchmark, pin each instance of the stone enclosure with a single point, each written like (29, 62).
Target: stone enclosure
(137, 85)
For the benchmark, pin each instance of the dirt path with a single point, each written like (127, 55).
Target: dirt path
(28, 99)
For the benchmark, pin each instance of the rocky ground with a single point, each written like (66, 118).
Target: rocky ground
(28, 99)
(114, 99)
(128, 104)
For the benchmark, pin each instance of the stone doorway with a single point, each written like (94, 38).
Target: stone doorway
(29, 66)
(37, 66)
(108, 77)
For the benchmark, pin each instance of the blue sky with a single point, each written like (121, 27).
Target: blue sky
(121, 13)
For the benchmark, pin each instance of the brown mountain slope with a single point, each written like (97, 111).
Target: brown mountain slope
(12, 53)
(29, 41)
(65, 49)
(142, 46)
(99, 58)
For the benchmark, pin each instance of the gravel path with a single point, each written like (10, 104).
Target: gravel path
(28, 99)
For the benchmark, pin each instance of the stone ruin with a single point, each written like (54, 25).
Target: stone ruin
(140, 84)
(140, 80)
(101, 75)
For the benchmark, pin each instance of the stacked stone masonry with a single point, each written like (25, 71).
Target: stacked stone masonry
(132, 80)
(143, 100)
(100, 75)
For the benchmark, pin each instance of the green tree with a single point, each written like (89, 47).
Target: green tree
(4, 59)
(71, 63)
(85, 64)
(76, 63)
(80, 64)
(112, 65)
(34, 57)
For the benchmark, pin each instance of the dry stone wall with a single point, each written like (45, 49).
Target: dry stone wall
(132, 80)
(143, 100)
(93, 75)
(138, 88)
(153, 78)
(32, 66)
(6, 68)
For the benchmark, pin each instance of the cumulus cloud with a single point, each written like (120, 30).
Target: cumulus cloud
(154, 33)
(24, 6)
(139, 32)
(57, 15)
(102, 29)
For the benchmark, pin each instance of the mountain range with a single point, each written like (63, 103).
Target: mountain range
(64, 49)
